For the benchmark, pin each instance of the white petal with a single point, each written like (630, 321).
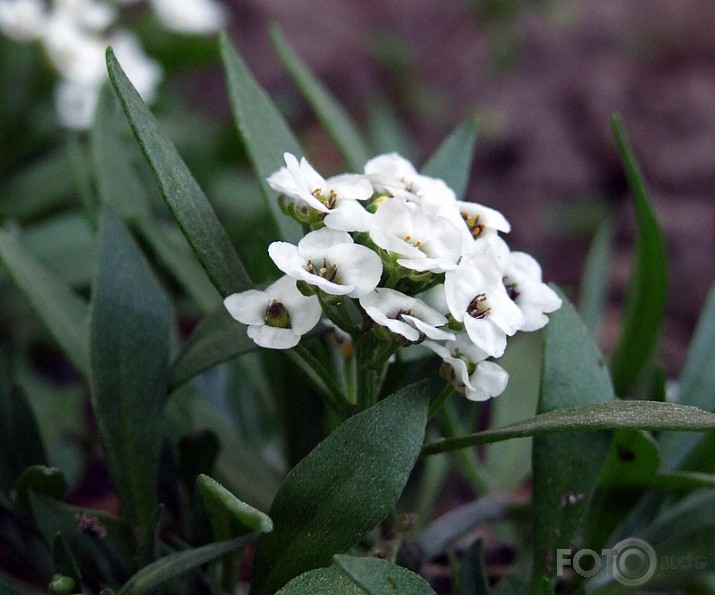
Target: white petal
(304, 311)
(396, 326)
(318, 244)
(486, 335)
(287, 259)
(504, 312)
(488, 380)
(358, 267)
(349, 215)
(272, 337)
(429, 330)
(248, 307)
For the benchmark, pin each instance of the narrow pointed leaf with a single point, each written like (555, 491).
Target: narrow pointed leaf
(216, 339)
(177, 563)
(63, 312)
(22, 444)
(566, 466)
(130, 337)
(643, 415)
(452, 162)
(117, 182)
(229, 516)
(265, 133)
(594, 283)
(40, 480)
(473, 577)
(182, 194)
(331, 114)
(63, 562)
(342, 489)
(696, 385)
(647, 290)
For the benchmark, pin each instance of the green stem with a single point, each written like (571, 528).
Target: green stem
(440, 400)
(466, 459)
(321, 379)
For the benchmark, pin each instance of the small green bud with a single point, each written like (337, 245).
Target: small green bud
(277, 315)
(62, 585)
(306, 288)
(453, 324)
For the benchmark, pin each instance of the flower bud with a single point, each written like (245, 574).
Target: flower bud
(277, 315)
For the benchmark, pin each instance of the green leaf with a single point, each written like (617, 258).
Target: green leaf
(182, 194)
(643, 415)
(696, 384)
(331, 114)
(473, 577)
(594, 283)
(117, 182)
(565, 466)
(177, 563)
(452, 162)
(216, 339)
(229, 516)
(40, 480)
(21, 444)
(265, 133)
(321, 581)
(130, 336)
(342, 489)
(380, 577)
(63, 562)
(175, 253)
(103, 544)
(358, 576)
(648, 286)
(63, 312)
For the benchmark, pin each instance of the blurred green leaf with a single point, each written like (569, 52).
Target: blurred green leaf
(265, 133)
(331, 114)
(63, 561)
(40, 480)
(565, 466)
(387, 133)
(695, 388)
(452, 161)
(513, 585)
(472, 575)
(63, 312)
(102, 544)
(22, 444)
(185, 199)
(594, 282)
(130, 337)
(216, 339)
(81, 170)
(342, 489)
(175, 253)
(648, 286)
(350, 575)
(230, 517)
(173, 565)
(117, 182)
(642, 415)
(65, 245)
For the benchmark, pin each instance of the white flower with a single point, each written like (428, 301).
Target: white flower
(335, 197)
(276, 317)
(534, 298)
(475, 378)
(405, 315)
(395, 174)
(77, 54)
(476, 296)
(191, 16)
(423, 243)
(22, 20)
(330, 260)
(75, 104)
(88, 14)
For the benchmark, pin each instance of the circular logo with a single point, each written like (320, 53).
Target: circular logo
(634, 562)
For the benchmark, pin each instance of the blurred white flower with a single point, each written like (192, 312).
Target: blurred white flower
(331, 261)
(191, 16)
(405, 315)
(75, 104)
(278, 316)
(22, 20)
(534, 298)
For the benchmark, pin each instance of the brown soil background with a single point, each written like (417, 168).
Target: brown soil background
(544, 85)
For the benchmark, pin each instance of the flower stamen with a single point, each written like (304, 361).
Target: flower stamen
(472, 222)
(477, 308)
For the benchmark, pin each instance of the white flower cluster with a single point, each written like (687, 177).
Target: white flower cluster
(75, 34)
(423, 266)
